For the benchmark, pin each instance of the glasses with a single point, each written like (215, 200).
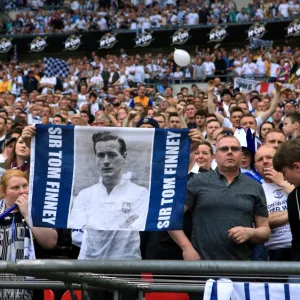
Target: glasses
(233, 149)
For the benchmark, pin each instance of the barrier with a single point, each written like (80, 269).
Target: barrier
(168, 276)
(235, 34)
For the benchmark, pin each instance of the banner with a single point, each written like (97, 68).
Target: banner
(245, 84)
(236, 34)
(108, 178)
(249, 85)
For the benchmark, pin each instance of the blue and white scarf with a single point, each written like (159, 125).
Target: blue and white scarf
(29, 253)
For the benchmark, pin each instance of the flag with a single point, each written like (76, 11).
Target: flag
(55, 67)
(225, 289)
(268, 88)
(146, 169)
(265, 88)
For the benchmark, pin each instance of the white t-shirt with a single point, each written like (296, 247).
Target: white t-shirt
(283, 8)
(156, 19)
(259, 13)
(80, 23)
(146, 24)
(281, 236)
(102, 24)
(94, 108)
(139, 75)
(98, 80)
(16, 88)
(273, 69)
(82, 98)
(209, 68)
(249, 69)
(261, 66)
(293, 6)
(110, 245)
(49, 80)
(148, 2)
(126, 205)
(192, 19)
(130, 71)
(177, 75)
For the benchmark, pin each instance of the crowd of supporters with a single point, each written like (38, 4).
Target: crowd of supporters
(142, 15)
(136, 91)
(103, 74)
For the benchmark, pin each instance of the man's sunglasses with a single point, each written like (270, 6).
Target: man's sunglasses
(226, 149)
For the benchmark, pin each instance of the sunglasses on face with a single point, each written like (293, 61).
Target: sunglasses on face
(226, 149)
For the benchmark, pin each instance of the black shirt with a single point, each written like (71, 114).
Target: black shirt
(159, 245)
(293, 205)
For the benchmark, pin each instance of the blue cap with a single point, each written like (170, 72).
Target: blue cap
(147, 120)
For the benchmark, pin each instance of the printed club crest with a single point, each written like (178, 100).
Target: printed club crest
(144, 39)
(180, 37)
(73, 42)
(217, 34)
(257, 31)
(126, 207)
(38, 44)
(107, 41)
(293, 29)
(5, 45)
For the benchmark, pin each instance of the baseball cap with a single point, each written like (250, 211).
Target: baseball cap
(149, 121)
(8, 140)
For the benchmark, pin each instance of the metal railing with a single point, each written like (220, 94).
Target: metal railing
(166, 276)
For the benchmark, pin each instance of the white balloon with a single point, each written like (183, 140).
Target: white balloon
(181, 58)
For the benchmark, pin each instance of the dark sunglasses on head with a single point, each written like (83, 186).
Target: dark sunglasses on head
(226, 149)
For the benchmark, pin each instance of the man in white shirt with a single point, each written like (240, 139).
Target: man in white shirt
(242, 16)
(192, 17)
(47, 83)
(96, 81)
(276, 190)
(258, 14)
(81, 23)
(130, 70)
(102, 23)
(261, 67)
(249, 69)
(139, 75)
(155, 19)
(209, 66)
(283, 9)
(69, 27)
(294, 8)
(123, 204)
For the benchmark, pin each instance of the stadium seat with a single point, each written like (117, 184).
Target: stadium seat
(49, 295)
(67, 295)
(166, 296)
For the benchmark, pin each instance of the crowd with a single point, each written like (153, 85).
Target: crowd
(118, 72)
(143, 15)
(244, 145)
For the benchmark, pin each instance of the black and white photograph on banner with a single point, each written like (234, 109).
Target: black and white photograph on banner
(118, 167)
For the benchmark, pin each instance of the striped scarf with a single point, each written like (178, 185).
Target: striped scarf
(29, 253)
